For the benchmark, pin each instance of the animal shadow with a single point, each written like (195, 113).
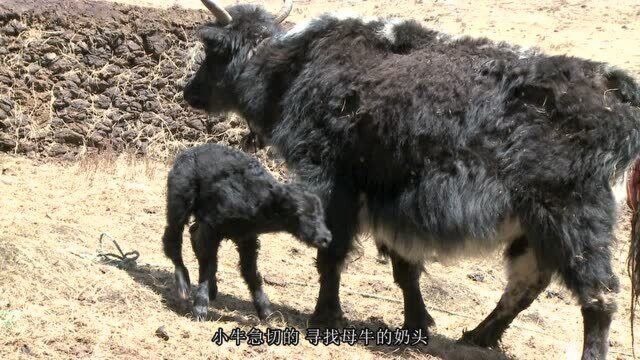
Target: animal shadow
(161, 282)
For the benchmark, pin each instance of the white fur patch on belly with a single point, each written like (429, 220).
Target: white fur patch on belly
(619, 188)
(416, 249)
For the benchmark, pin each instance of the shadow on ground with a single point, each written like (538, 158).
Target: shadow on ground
(160, 281)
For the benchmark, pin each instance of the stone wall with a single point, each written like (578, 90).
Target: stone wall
(79, 76)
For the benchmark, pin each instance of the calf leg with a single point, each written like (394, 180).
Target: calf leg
(248, 249)
(407, 276)
(526, 281)
(205, 244)
(172, 241)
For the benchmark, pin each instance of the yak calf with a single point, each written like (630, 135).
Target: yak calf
(232, 196)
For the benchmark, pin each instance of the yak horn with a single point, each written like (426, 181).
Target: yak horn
(218, 11)
(284, 12)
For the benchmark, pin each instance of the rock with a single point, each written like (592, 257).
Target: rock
(49, 58)
(94, 61)
(79, 104)
(220, 128)
(25, 349)
(196, 124)
(25, 146)
(33, 68)
(13, 28)
(6, 80)
(58, 149)
(133, 46)
(476, 277)
(134, 107)
(83, 47)
(60, 66)
(154, 44)
(6, 105)
(96, 85)
(102, 101)
(7, 143)
(161, 332)
(97, 82)
(96, 139)
(69, 136)
(73, 77)
(549, 294)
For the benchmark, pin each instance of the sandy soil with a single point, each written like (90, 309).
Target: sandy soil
(601, 30)
(57, 300)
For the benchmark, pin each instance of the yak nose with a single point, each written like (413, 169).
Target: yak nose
(192, 97)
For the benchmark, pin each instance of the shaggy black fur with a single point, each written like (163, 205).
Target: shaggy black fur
(232, 196)
(442, 144)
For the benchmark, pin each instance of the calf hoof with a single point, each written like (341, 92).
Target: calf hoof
(480, 339)
(327, 320)
(200, 312)
(264, 313)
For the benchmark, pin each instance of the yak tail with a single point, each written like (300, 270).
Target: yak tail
(628, 91)
(633, 261)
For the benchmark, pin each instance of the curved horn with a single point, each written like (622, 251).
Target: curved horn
(218, 11)
(284, 12)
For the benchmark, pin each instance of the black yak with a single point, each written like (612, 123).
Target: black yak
(437, 145)
(232, 196)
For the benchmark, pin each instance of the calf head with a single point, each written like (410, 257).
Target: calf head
(229, 42)
(304, 215)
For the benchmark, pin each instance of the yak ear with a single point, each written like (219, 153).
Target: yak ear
(216, 41)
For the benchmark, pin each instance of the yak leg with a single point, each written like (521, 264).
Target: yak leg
(576, 239)
(205, 244)
(582, 233)
(526, 281)
(248, 249)
(407, 276)
(593, 282)
(342, 216)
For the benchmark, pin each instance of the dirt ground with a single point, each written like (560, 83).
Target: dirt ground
(58, 300)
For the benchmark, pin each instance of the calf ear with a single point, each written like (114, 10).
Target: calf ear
(217, 41)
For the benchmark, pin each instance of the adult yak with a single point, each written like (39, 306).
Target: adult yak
(436, 145)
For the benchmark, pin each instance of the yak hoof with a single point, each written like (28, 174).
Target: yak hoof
(477, 339)
(425, 324)
(213, 291)
(330, 320)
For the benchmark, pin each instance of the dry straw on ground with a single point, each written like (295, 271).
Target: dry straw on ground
(58, 300)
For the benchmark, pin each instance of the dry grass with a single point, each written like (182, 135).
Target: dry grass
(57, 300)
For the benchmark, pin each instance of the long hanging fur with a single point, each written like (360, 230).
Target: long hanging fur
(633, 261)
